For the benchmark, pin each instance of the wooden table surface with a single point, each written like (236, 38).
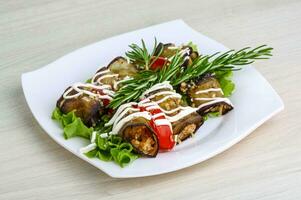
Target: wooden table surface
(33, 33)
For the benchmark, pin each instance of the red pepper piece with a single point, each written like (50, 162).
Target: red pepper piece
(158, 63)
(105, 102)
(163, 132)
(166, 141)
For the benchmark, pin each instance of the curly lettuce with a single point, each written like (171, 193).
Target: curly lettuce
(114, 149)
(73, 126)
(227, 85)
(193, 46)
(111, 148)
(211, 115)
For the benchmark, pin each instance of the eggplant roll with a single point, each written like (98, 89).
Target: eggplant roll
(122, 67)
(169, 49)
(87, 108)
(167, 100)
(141, 136)
(105, 77)
(118, 70)
(184, 119)
(186, 126)
(207, 96)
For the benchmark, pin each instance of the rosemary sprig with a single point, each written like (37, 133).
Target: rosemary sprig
(132, 89)
(140, 55)
(175, 72)
(228, 61)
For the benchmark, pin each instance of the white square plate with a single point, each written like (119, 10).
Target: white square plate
(254, 101)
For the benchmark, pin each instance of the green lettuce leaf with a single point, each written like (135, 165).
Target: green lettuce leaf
(193, 46)
(124, 157)
(77, 128)
(126, 147)
(102, 143)
(72, 125)
(226, 83)
(111, 148)
(211, 115)
(89, 80)
(91, 154)
(57, 114)
(104, 155)
(115, 152)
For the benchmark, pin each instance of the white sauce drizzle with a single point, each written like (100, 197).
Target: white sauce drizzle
(159, 115)
(106, 76)
(158, 86)
(165, 93)
(184, 51)
(119, 111)
(124, 112)
(104, 135)
(175, 95)
(162, 122)
(143, 101)
(105, 97)
(183, 113)
(99, 73)
(186, 58)
(172, 111)
(88, 148)
(93, 137)
(111, 133)
(164, 85)
(173, 47)
(109, 92)
(153, 107)
(116, 83)
(226, 100)
(128, 118)
(210, 90)
(209, 99)
(80, 91)
(147, 104)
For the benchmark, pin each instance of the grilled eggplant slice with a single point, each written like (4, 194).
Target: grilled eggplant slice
(117, 70)
(187, 126)
(141, 136)
(208, 96)
(221, 107)
(194, 55)
(190, 56)
(105, 77)
(87, 108)
(169, 50)
(168, 104)
(120, 66)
